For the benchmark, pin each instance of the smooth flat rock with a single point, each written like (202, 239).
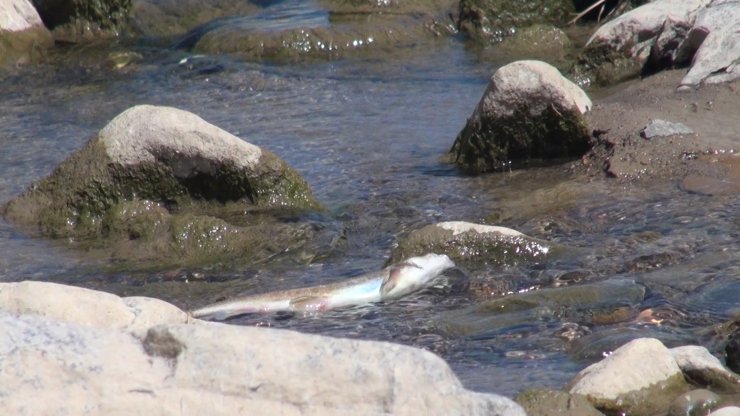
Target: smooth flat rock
(86, 354)
(662, 128)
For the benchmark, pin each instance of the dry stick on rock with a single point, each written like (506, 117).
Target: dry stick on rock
(602, 3)
(591, 7)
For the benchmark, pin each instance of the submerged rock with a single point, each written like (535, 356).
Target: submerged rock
(167, 18)
(542, 402)
(329, 29)
(541, 42)
(493, 20)
(471, 243)
(23, 36)
(528, 111)
(170, 366)
(158, 177)
(695, 402)
(572, 303)
(640, 377)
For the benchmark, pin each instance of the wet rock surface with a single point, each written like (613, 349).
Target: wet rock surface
(586, 303)
(695, 402)
(298, 31)
(470, 243)
(159, 182)
(540, 402)
(494, 20)
(529, 111)
(170, 18)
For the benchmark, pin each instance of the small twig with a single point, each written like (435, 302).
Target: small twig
(591, 7)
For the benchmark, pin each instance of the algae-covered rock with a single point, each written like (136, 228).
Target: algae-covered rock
(694, 403)
(529, 111)
(492, 20)
(84, 20)
(23, 37)
(154, 172)
(543, 402)
(471, 243)
(166, 18)
(540, 41)
(328, 30)
(640, 377)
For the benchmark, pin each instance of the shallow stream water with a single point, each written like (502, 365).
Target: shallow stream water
(368, 134)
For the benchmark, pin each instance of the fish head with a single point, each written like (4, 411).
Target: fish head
(413, 274)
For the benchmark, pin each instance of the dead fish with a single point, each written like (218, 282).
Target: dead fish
(393, 282)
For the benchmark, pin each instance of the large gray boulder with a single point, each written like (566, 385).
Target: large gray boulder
(156, 181)
(621, 48)
(91, 361)
(663, 34)
(640, 377)
(528, 111)
(23, 36)
(717, 32)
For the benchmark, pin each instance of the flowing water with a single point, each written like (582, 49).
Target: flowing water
(368, 134)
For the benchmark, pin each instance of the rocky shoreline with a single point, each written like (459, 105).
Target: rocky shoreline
(158, 183)
(143, 354)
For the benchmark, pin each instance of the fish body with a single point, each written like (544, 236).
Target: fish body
(392, 282)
